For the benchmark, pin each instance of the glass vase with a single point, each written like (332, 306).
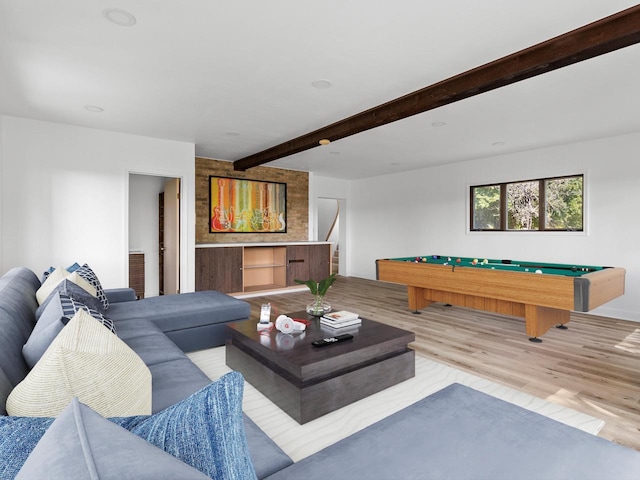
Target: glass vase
(318, 307)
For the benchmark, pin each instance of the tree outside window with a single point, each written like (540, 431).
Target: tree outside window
(548, 204)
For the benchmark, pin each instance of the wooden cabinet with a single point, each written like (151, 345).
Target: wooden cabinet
(136, 273)
(219, 269)
(306, 262)
(255, 268)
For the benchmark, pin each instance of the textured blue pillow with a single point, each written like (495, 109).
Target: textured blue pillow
(205, 430)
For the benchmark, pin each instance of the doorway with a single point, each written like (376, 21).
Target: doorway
(147, 230)
(331, 218)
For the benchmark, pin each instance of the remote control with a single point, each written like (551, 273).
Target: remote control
(331, 340)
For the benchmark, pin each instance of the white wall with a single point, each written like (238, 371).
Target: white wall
(426, 212)
(65, 193)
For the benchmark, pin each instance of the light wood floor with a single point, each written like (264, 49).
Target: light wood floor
(593, 367)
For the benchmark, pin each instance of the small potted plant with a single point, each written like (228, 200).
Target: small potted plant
(319, 289)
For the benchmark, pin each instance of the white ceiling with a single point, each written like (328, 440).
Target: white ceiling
(234, 77)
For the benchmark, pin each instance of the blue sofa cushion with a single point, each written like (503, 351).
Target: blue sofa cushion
(187, 310)
(206, 431)
(5, 390)
(82, 444)
(17, 317)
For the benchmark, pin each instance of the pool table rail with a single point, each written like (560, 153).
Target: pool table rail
(597, 288)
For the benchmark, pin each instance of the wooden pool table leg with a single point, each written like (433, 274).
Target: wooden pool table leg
(539, 320)
(416, 299)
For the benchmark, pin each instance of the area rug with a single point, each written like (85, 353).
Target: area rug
(300, 441)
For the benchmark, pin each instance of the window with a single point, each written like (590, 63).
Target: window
(547, 204)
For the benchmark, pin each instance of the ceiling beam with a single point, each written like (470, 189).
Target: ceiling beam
(603, 36)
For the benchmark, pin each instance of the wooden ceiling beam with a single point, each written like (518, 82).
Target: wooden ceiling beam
(603, 36)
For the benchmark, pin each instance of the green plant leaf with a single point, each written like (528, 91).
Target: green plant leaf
(311, 284)
(324, 284)
(321, 287)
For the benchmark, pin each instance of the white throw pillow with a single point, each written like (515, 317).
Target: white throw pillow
(58, 275)
(86, 361)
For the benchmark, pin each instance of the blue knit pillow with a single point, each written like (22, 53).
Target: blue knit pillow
(205, 430)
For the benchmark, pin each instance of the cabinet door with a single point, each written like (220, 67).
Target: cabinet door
(219, 268)
(319, 261)
(307, 262)
(297, 263)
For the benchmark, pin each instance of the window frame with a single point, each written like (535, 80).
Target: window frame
(542, 218)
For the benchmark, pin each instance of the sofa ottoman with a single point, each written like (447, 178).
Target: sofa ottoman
(193, 321)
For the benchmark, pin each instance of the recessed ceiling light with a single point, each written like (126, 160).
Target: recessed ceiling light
(321, 84)
(93, 108)
(324, 141)
(498, 144)
(119, 17)
(232, 134)
(395, 164)
(334, 153)
(438, 124)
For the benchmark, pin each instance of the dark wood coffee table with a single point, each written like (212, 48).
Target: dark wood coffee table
(308, 382)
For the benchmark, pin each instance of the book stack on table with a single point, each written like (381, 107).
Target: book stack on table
(340, 319)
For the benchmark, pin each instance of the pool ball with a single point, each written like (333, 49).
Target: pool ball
(474, 261)
(458, 260)
(538, 271)
(424, 259)
(448, 259)
(485, 261)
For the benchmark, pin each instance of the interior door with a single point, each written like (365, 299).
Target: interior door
(161, 243)
(171, 270)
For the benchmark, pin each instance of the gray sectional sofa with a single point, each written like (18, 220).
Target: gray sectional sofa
(193, 320)
(455, 434)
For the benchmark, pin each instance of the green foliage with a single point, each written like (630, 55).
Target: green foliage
(563, 208)
(564, 203)
(321, 287)
(486, 207)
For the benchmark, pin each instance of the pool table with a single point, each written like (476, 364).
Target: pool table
(543, 293)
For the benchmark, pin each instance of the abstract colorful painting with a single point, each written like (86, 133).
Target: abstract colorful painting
(247, 206)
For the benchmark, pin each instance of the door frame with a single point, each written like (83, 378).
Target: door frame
(187, 225)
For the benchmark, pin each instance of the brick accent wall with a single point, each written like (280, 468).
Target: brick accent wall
(297, 202)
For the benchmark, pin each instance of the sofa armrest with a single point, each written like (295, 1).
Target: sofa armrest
(119, 295)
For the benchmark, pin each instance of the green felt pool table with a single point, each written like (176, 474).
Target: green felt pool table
(543, 294)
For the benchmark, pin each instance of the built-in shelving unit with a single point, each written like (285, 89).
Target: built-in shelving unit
(264, 268)
(247, 268)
